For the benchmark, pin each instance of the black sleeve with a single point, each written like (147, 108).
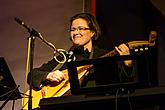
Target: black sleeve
(38, 75)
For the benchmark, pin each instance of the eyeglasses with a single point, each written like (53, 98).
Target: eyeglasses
(79, 29)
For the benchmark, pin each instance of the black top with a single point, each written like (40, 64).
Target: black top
(39, 74)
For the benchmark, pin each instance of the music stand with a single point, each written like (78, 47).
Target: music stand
(139, 77)
(8, 88)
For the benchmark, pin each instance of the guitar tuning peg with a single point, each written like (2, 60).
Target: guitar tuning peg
(136, 50)
(141, 49)
(146, 48)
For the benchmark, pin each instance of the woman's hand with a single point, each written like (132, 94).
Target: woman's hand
(124, 50)
(56, 76)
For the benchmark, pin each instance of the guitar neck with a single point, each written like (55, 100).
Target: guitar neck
(110, 54)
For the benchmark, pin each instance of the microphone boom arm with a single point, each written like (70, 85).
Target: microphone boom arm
(37, 34)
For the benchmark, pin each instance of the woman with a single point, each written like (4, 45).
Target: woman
(84, 32)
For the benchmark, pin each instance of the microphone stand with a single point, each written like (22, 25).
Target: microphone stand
(31, 43)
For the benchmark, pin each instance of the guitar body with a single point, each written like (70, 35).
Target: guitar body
(53, 90)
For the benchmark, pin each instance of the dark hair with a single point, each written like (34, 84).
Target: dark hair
(91, 21)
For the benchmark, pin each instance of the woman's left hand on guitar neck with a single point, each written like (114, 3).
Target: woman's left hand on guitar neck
(123, 49)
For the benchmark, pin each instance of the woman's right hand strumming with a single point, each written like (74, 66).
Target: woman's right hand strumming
(56, 76)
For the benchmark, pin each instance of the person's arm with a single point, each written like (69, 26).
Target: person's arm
(126, 68)
(39, 75)
(124, 50)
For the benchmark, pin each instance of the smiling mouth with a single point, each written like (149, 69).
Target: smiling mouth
(77, 37)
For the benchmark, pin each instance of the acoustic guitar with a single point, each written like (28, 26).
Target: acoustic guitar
(63, 88)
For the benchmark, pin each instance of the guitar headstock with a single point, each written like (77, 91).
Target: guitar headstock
(137, 45)
(143, 45)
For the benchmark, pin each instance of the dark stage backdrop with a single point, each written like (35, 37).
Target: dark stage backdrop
(122, 21)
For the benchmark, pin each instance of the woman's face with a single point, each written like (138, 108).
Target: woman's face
(80, 33)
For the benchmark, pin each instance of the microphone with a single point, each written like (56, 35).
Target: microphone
(30, 30)
(19, 21)
(34, 32)
(23, 24)
(71, 57)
